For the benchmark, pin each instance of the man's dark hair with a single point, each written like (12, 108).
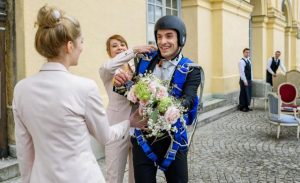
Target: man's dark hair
(245, 49)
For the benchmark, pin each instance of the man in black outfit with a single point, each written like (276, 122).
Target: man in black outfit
(170, 35)
(245, 81)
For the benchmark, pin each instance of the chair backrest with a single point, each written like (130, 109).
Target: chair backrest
(280, 78)
(268, 88)
(288, 93)
(260, 88)
(274, 104)
(293, 77)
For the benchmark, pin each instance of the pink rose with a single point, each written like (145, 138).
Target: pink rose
(172, 114)
(152, 86)
(131, 95)
(161, 93)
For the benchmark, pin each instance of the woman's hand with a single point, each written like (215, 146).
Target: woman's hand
(121, 77)
(137, 121)
(144, 49)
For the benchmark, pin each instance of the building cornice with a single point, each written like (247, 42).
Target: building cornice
(259, 21)
(196, 3)
(240, 8)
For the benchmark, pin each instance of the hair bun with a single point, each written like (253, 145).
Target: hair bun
(56, 14)
(48, 17)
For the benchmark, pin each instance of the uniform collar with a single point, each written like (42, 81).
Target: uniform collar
(175, 60)
(53, 66)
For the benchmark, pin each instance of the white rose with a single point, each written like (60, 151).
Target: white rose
(172, 114)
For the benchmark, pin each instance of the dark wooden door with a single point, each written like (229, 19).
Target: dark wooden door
(3, 121)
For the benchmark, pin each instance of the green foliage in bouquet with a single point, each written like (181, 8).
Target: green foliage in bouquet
(160, 108)
(154, 115)
(164, 104)
(142, 91)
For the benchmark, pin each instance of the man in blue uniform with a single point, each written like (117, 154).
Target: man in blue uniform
(169, 64)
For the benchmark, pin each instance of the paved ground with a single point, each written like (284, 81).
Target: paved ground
(242, 147)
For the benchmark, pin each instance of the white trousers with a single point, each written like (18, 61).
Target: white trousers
(116, 154)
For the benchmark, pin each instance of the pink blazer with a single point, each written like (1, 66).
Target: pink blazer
(55, 112)
(119, 107)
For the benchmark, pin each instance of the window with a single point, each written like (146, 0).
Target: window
(157, 9)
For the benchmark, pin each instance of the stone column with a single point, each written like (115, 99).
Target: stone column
(259, 46)
(197, 17)
(230, 30)
(276, 33)
(288, 49)
(295, 47)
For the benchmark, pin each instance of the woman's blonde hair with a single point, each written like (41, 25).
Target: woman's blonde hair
(54, 30)
(117, 37)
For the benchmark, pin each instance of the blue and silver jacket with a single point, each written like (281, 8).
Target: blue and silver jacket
(180, 139)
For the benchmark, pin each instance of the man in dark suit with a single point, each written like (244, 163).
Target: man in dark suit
(170, 35)
(272, 67)
(245, 81)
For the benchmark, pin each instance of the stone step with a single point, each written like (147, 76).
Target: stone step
(13, 180)
(213, 103)
(8, 169)
(209, 116)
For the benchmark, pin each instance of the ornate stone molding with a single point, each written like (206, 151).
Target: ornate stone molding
(196, 3)
(240, 8)
(276, 19)
(259, 21)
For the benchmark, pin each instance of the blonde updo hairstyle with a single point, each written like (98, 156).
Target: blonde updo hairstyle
(55, 29)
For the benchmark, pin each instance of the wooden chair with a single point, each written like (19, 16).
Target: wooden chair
(260, 90)
(288, 93)
(293, 77)
(277, 118)
(279, 79)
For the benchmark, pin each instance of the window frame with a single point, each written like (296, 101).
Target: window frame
(164, 10)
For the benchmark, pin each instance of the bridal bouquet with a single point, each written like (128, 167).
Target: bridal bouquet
(155, 103)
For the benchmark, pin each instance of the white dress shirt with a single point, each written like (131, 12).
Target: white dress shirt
(242, 65)
(281, 65)
(167, 69)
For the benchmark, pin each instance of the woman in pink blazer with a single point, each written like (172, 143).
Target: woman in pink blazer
(119, 107)
(56, 111)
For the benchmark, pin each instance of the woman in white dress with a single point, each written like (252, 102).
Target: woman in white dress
(56, 111)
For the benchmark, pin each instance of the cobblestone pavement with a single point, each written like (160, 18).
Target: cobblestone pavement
(242, 147)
